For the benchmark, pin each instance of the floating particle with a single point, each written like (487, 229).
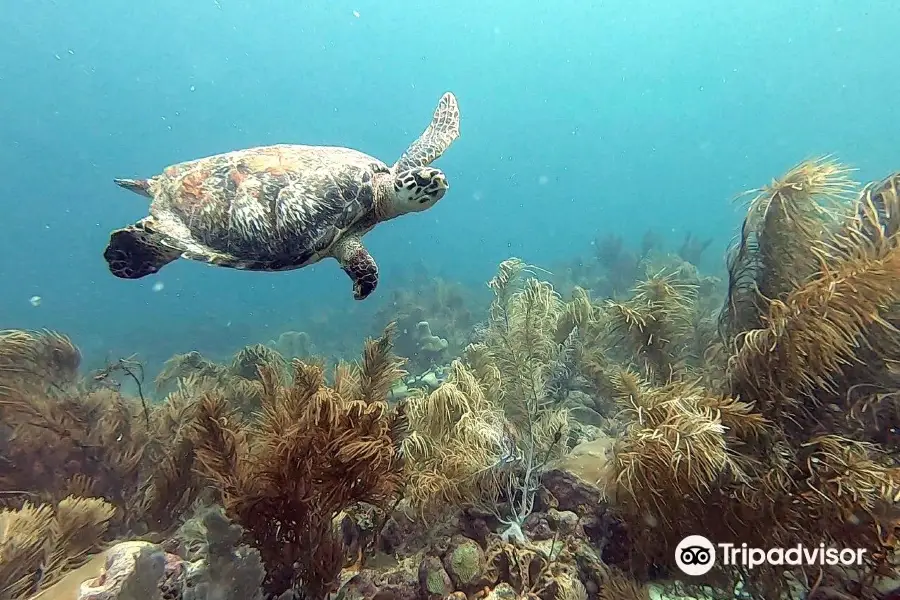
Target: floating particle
(158, 286)
(193, 88)
(543, 179)
(35, 300)
(356, 13)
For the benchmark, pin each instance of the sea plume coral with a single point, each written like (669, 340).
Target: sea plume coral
(656, 323)
(786, 435)
(784, 219)
(813, 337)
(39, 543)
(61, 434)
(37, 359)
(458, 434)
(485, 435)
(313, 451)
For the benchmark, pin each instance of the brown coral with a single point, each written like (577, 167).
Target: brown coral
(810, 325)
(39, 543)
(63, 435)
(313, 451)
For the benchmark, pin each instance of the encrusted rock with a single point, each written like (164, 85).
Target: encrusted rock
(464, 561)
(398, 582)
(504, 591)
(433, 579)
(537, 527)
(360, 587)
(576, 481)
(565, 521)
(401, 590)
(571, 492)
(122, 569)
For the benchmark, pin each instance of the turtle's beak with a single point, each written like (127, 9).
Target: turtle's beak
(440, 180)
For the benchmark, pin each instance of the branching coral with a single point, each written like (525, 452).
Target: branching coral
(525, 347)
(191, 375)
(810, 340)
(39, 543)
(170, 487)
(313, 451)
(785, 218)
(484, 436)
(678, 448)
(182, 366)
(656, 324)
(37, 360)
(62, 436)
(57, 441)
(783, 437)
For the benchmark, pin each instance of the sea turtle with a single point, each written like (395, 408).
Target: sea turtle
(282, 207)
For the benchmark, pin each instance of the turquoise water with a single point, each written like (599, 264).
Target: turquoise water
(578, 119)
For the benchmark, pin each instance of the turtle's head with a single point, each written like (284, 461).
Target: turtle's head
(418, 189)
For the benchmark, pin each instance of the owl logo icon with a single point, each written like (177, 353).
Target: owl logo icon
(695, 555)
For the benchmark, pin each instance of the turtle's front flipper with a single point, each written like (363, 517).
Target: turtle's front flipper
(135, 251)
(435, 140)
(358, 264)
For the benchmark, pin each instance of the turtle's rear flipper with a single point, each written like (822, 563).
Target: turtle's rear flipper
(134, 252)
(138, 186)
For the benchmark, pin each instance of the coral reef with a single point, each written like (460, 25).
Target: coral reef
(559, 449)
(784, 435)
(781, 415)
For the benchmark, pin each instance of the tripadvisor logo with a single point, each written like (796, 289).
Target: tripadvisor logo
(696, 555)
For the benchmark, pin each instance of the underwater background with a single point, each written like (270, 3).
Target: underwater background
(656, 313)
(578, 120)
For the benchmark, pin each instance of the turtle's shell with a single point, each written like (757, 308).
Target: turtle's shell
(272, 206)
